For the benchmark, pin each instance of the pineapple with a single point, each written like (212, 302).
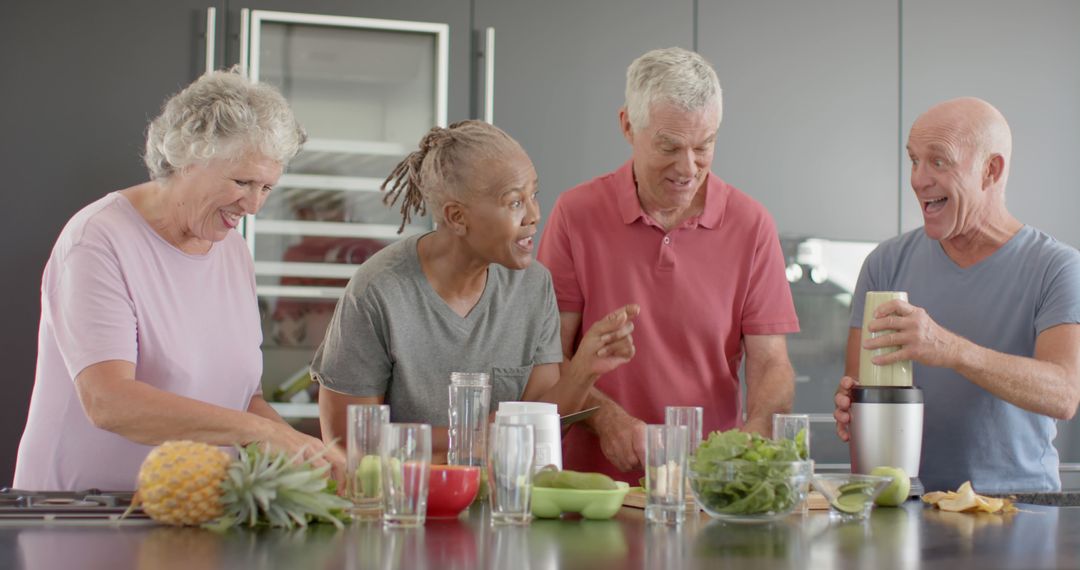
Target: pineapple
(191, 483)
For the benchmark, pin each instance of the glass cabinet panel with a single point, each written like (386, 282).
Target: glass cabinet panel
(366, 91)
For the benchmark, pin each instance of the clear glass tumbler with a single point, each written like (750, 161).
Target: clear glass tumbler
(689, 416)
(363, 480)
(406, 464)
(795, 427)
(470, 397)
(665, 473)
(510, 473)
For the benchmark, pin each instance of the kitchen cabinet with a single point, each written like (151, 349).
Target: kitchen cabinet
(810, 110)
(1023, 59)
(367, 80)
(453, 13)
(366, 90)
(560, 74)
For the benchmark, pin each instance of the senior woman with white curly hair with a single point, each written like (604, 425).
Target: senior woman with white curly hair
(149, 319)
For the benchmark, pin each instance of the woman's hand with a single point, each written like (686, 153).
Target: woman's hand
(283, 437)
(608, 344)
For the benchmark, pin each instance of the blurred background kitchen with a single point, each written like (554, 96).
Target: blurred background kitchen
(818, 98)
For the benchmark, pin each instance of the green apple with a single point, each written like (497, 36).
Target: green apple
(897, 492)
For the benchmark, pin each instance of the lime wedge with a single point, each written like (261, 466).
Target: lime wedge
(851, 503)
(853, 487)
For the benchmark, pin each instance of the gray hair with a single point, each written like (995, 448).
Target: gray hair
(671, 75)
(221, 115)
(440, 167)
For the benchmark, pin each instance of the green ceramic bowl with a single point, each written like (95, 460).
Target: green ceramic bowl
(549, 503)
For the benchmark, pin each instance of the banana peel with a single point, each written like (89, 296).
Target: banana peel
(965, 500)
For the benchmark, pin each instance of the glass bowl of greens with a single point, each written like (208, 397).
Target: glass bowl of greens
(741, 477)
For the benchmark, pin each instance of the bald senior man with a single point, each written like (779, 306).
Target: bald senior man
(992, 316)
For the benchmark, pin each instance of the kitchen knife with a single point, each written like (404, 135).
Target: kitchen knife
(578, 416)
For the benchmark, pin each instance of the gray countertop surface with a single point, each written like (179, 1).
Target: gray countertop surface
(1062, 499)
(910, 537)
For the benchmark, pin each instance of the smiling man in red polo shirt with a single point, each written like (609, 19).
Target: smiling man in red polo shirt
(701, 258)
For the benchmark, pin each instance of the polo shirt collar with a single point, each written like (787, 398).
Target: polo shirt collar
(716, 194)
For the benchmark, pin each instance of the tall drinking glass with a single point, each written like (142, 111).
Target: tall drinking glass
(870, 374)
(665, 473)
(689, 416)
(406, 463)
(795, 427)
(363, 480)
(510, 478)
(470, 396)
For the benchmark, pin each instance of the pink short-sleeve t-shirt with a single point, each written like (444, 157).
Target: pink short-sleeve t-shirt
(702, 287)
(113, 289)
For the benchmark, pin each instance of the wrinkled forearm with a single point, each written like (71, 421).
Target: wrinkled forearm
(150, 416)
(1035, 385)
(770, 389)
(608, 408)
(260, 407)
(571, 391)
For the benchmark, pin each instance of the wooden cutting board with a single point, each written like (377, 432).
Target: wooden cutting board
(636, 499)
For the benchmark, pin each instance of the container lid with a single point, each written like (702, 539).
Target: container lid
(528, 408)
(886, 395)
(542, 422)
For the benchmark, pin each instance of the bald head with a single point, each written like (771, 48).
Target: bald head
(975, 126)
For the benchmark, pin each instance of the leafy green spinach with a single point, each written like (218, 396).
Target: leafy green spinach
(740, 473)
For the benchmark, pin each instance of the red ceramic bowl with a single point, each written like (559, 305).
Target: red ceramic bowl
(451, 489)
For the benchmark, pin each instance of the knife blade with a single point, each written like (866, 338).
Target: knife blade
(577, 416)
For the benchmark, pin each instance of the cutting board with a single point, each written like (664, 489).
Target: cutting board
(636, 499)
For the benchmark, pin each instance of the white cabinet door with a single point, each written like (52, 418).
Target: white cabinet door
(366, 90)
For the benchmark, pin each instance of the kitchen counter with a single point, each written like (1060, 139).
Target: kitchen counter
(910, 537)
(1062, 499)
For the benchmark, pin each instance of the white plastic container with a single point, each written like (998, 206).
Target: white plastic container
(544, 418)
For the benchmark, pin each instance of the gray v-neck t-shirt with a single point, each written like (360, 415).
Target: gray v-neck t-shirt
(393, 336)
(1002, 303)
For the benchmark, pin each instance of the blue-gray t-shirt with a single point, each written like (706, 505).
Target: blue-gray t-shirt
(1002, 303)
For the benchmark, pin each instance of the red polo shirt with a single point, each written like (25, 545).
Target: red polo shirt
(701, 287)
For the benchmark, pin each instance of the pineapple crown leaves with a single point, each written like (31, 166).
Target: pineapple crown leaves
(271, 488)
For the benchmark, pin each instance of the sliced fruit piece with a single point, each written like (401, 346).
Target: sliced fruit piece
(851, 503)
(853, 487)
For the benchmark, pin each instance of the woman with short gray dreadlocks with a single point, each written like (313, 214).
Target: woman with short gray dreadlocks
(465, 297)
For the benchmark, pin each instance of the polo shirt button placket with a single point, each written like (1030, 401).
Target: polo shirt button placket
(667, 256)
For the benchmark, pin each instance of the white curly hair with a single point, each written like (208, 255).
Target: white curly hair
(221, 115)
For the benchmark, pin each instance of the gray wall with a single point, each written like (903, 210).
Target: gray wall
(810, 108)
(1024, 57)
(560, 70)
(819, 98)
